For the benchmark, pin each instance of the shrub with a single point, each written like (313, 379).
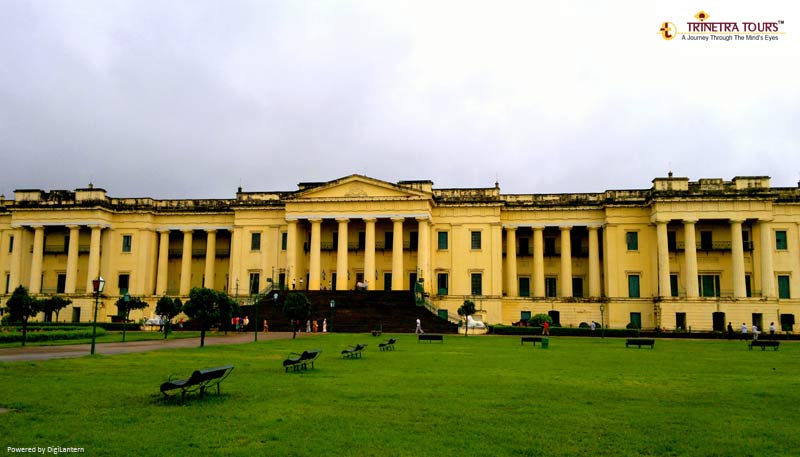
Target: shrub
(539, 319)
(16, 337)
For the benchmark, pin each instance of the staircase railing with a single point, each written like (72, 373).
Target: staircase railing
(452, 318)
(253, 299)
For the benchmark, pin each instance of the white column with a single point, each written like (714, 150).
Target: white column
(341, 256)
(566, 262)
(594, 263)
(16, 261)
(163, 263)
(423, 252)
(737, 259)
(72, 259)
(94, 258)
(511, 262)
(538, 262)
(369, 254)
(211, 258)
(663, 259)
(314, 267)
(186, 263)
(36, 261)
(767, 270)
(397, 254)
(291, 253)
(690, 252)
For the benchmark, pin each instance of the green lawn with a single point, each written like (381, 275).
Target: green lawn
(482, 396)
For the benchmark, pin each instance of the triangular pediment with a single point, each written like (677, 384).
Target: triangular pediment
(359, 187)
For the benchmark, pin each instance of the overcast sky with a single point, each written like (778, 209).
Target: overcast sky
(190, 99)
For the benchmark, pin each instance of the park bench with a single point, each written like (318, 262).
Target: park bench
(430, 337)
(387, 345)
(199, 380)
(300, 361)
(531, 339)
(639, 342)
(764, 344)
(353, 352)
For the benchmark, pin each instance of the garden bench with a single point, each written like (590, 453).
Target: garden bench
(640, 342)
(199, 380)
(430, 337)
(764, 344)
(300, 361)
(387, 345)
(531, 339)
(353, 352)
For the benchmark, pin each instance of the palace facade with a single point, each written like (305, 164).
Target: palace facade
(681, 254)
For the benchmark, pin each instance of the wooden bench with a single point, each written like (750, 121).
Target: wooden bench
(531, 339)
(301, 361)
(199, 380)
(640, 342)
(430, 337)
(387, 345)
(353, 352)
(764, 344)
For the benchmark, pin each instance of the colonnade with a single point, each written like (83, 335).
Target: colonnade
(342, 253)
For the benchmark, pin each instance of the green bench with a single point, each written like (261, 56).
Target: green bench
(199, 380)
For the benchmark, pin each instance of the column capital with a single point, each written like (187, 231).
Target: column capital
(73, 226)
(565, 228)
(511, 229)
(423, 219)
(315, 220)
(736, 221)
(162, 230)
(689, 221)
(538, 228)
(187, 230)
(397, 219)
(764, 220)
(210, 230)
(342, 220)
(593, 228)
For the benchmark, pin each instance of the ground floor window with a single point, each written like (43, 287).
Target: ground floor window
(442, 283)
(477, 283)
(783, 287)
(524, 287)
(577, 287)
(550, 287)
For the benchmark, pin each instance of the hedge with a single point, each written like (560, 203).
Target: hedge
(561, 331)
(16, 337)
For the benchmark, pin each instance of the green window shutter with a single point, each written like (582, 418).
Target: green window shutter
(783, 287)
(443, 240)
(780, 240)
(633, 286)
(632, 240)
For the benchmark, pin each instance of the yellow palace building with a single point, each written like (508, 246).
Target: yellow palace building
(679, 255)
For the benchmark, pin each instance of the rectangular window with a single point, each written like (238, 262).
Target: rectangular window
(524, 315)
(255, 241)
(441, 283)
(66, 243)
(577, 287)
(746, 243)
(475, 237)
(387, 281)
(673, 285)
(335, 241)
(550, 287)
(388, 240)
(632, 240)
(783, 287)
(706, 240)
(284, 240)
(680, 321)
(550, 246)
(123, 283)
(126, 243)
(747, 287)
(362, 240)
(477, 283)
(633, 286)
(255, 283)
(8, 282)
(413, 240)
(524, 247)
(780, 240)
(524, 287)
(672, 241)
(443, 241)
(61, 283)
(709, 285)
(11, 243)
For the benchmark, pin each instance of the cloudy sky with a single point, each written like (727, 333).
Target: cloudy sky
(190, 99)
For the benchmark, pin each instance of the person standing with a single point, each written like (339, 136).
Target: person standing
(772, 330)
(546, 328)
(266, 327)
(418, 330)
(755, 332)
(730, 331)
(325, 325)
(744, 331)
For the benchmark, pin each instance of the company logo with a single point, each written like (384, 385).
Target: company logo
(704, 30)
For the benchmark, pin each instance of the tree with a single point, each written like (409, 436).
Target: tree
(55, 304)
(168, 308)
(538, 320)
(466, 310)
(124, 306)
(296, 307)
(203, 305)
(228, 307)
(22, 306)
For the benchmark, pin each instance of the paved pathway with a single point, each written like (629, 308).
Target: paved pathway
(80, 350)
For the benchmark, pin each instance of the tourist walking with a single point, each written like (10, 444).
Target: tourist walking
(419, 327)
(546, 328)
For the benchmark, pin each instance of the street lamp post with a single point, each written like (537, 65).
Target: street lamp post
(97, 285)
(125, 299)
(333, 307)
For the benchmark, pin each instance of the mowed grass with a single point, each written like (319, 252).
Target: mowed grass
(480, 395)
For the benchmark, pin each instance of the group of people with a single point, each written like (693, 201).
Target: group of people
(313, 326)
(240, 323)
(755, 330)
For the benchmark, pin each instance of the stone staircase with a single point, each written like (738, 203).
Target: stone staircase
(355, 312)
